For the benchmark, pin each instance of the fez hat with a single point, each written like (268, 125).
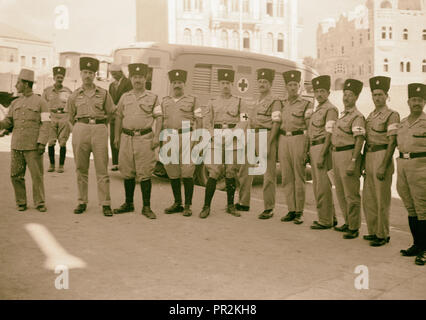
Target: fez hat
(177, 75)
(353, 85)
(88, 63)
(27, 75)
(59, 70)
(321, 82)
(265, 73)
(292, 75)
(417, 90)
(381, 83)
(139, 69)
(225, 74)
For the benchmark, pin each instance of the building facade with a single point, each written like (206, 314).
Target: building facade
(382, 37)
(263, 26)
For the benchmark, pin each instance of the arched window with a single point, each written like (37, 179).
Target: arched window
(246, 40)
(224, 39)
(280, 42)
(281, 8)
(383, 32)
(186, 5)
(386, 65)
(390, 32)
(424, 65)
(405, 34)
(199, 38)
(386, 5)
(360, 38)
(187, 37)
(408, 66)
(269, 8)
(269, 42)
(198, 5)
(235, 6)
(235, 40)
(424, 34)
(370, 67)
(401, 66)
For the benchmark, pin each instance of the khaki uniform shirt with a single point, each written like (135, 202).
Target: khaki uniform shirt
(138, 112)
(29, 116)
(95, 103)
(56, 101)
(295, 114)
(322, 121)
(380, 125)
(175, 111)
(412, 137)
(265, 112)
(350, 125)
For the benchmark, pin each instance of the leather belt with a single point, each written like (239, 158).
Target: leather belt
(375, 147)
(317, 142)
(92, 120)
(180, 131)
(291, 133)
(138, 132)
(412, 155)
(256, 130)
(58, 111)
(344, 148)
(225, 126)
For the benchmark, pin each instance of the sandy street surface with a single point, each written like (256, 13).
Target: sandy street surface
(173, 257)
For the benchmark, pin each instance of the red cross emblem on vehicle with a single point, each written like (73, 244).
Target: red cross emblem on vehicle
(243, 85)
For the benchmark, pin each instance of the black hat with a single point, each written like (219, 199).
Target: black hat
(292, 75)
(417, 90)
(381, 83)
(321, 82)
(265, 73)
(353, 85)
(225, 74)
(88, 63)
(59, 70)
(139, 69)
(177, 75)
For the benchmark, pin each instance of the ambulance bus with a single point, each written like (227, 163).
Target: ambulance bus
(202, 64)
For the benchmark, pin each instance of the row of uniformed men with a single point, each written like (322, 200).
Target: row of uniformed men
(328, 140)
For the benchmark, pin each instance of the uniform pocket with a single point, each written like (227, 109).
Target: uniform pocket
(99, 102)
(379, 127)
(32, 114)
(187, 107)
(145, 108)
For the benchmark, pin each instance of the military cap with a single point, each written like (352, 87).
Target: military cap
(177, 75)
(265, 73)
(59, 70)
(27, 75)
(381, 83)
(137, 69)
(321, 82)
(353, 85)
(225, 74)
(292, 75)
(417, 90)
(88, 63)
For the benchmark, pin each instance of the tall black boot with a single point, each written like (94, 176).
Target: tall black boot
(230, 190)
(421, 229)
(177, 194)
(146, 187)
(415, 248)
(210, 190)
(62, 153)
(51, 150)
(129, 190)
(188, 185)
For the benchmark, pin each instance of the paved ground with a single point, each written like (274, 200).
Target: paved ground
(173, 257)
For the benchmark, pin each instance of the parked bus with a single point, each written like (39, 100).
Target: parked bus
(202, 64)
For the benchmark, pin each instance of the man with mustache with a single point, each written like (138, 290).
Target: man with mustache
(381, 129)
(177, 108)
(89, 108)
(266, 116)
(226, 112)
(411, 180)
(347, 140)
(320, 128)
(29, 116)
(136, 113)
(293, 146)
(56, 97)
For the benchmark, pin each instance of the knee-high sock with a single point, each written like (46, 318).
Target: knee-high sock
(62, 153)
(188, 185)
(412, 222)
(210, 189)
(230, 189)
(51, 150)
(176, 188)
(129, 189)
(146, 187)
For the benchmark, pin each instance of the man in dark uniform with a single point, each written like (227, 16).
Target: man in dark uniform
(411, 181)
(178, 108)
(30, 119)
(224, 112)
(90, 107)
(56, 97)
(136, 113)
(117, 88)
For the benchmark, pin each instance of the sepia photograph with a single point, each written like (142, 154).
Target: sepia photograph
(212, 154)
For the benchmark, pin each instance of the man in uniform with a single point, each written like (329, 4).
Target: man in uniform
(29, 117)
(381, 126)
(266, 116)
(56, 97)
(177, 108)
(320, 128)
(411, 181)
(117, 88)
(90, 107)
(135, 116)
(347, 140)
(293, 146)
(224, 112)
